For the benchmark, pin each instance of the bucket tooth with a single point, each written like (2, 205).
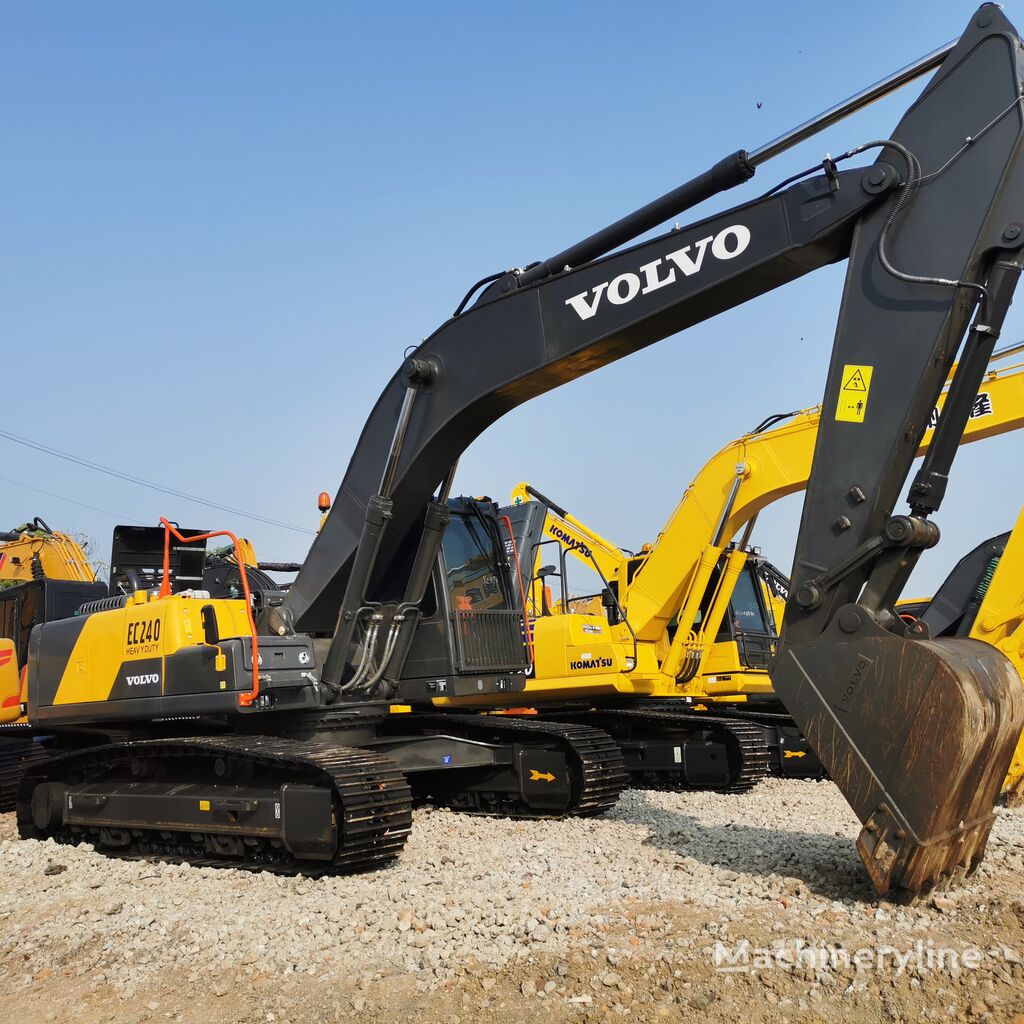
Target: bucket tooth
(918, 736)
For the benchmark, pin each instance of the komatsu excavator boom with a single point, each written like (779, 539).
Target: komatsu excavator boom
(399, 603)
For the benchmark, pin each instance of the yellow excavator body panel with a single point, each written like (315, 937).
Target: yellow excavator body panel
(721, 679)
(123, 652)
(577, 656)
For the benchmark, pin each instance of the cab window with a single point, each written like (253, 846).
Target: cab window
(745, 609)
(471, 567)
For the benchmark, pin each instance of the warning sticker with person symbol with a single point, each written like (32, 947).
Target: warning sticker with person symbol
(853, 394)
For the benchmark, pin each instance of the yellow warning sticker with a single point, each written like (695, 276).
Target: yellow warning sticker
(853, 395)
(204, 805)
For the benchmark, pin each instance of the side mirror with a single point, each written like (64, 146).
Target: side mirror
(545, 591)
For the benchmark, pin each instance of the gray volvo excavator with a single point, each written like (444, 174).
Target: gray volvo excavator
(190, 729)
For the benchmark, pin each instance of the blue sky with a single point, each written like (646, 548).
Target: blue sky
(224, 223)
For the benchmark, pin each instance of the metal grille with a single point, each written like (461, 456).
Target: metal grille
(756, 649)
(491, 641)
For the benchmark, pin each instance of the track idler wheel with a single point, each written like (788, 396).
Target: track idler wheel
(48, 805)
(917, 734)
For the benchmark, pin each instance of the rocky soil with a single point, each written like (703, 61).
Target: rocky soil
(489, 919)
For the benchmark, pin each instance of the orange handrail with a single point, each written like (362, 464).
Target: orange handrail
(245, 699)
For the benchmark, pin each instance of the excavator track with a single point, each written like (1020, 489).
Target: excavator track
(720, 753)
(789, 753)
(596, 769)
(17, 752)
(254, 802)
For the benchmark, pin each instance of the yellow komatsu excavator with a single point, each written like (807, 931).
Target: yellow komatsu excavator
(749, 579)
(692, 615)
(33, 551)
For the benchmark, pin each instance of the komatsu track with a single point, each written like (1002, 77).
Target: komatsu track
(255, 802)
(789, 753)
(666, 747)
(565, 769)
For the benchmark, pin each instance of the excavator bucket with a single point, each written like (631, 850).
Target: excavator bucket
(918, 735)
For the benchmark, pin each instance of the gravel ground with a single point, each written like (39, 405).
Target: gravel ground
(500, 920)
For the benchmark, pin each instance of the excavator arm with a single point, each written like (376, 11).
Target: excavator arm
(933, 234)
(760, 468)
(731, 489)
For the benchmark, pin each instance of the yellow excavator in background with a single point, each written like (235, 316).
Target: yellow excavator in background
(999, 621)
(761, 585)
(693, 617)
(983, 598)
(44, 574)
(33, 551)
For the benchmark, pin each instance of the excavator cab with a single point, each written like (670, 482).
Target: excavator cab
(26, 605)
(467, 633)
(733, 634)
(746, 637)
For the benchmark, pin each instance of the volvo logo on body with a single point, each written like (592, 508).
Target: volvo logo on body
(729, 243)
(150, 679)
